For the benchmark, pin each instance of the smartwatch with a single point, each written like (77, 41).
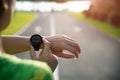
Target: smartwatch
(36, 41)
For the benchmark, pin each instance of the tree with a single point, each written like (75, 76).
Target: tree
(105, 10)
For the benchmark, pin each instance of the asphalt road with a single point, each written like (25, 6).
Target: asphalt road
(100, 53)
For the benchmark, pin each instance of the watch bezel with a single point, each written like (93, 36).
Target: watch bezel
(36, 45)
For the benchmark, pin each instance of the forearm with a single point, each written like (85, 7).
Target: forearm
(15, 44)
(52, 64)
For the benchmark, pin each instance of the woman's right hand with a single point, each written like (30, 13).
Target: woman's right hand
(45, 55)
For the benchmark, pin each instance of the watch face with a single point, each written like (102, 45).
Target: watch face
(36, 40)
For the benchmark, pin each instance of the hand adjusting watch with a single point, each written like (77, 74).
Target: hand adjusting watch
(36, 41)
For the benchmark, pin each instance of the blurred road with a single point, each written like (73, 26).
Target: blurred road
(100, 54)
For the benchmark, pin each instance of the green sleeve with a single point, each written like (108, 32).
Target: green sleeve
(12, 68)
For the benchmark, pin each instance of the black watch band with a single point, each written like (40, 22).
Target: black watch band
(36, 41)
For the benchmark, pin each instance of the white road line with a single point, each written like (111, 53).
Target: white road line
(77, 29)
(52, 25)
(38, 29)
(52, 33)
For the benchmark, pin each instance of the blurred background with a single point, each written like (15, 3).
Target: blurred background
(94, 24)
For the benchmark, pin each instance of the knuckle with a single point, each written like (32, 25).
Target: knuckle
(63, 35)
(47, 43)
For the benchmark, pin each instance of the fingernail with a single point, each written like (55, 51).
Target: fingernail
(75, 58)
(79, 51)
(72, 57)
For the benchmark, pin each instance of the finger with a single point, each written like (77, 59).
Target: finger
(75, 45)
(72, 42)
(46, 48)
(65, 55)
(72, 50)
(32, 53)
(47, 44)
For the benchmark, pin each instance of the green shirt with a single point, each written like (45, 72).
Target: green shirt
(13, 68)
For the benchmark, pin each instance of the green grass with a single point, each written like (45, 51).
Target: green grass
(20, 19)
(105, 27)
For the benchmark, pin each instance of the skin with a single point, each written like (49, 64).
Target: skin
(59, 43)
(6, 13)
(53, 45)
(11, 43)
(45, 55)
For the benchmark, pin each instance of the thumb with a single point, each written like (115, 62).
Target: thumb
(32, 53)
(47, 49)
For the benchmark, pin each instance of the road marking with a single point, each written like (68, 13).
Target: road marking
(52, 25)
(77, 29)
(38, 29)
(52, 33)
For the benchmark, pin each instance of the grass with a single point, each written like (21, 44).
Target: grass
(105, 27)
(20, 19)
